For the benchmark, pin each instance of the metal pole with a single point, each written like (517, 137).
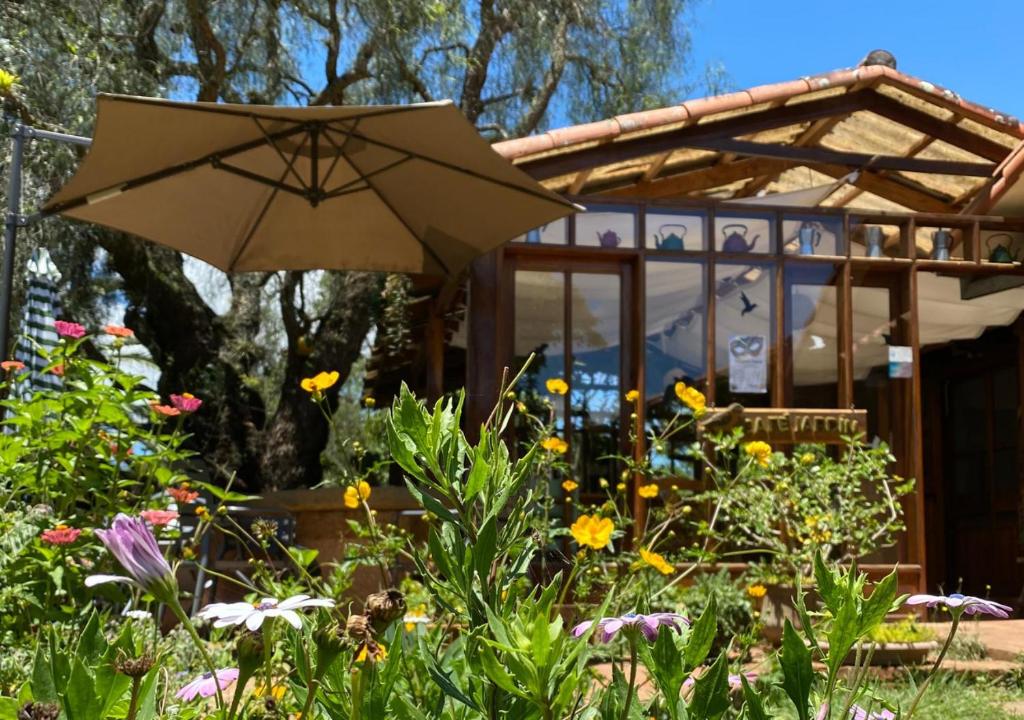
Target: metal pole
(12, 220)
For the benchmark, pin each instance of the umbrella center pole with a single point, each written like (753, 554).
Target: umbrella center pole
(14, 219)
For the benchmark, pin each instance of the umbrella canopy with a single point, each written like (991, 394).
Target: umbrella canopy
(410, 188)
(37, 330)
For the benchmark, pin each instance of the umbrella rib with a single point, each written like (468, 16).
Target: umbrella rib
(362, 178)
(455, 168)
(280, 154)
(256, 177)
(394, 211)
(259, 218)
(133, 183)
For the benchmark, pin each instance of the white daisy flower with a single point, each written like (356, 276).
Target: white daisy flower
(253, 614)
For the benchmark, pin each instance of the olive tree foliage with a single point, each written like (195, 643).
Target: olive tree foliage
(508, 64)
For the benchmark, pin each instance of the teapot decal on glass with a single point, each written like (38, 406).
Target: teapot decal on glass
(736, 239)
(810, 238)
(1001, 252)
(673, 240)
(609, 239)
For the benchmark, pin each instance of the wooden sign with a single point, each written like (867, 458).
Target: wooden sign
(778, 426)
(787, 425)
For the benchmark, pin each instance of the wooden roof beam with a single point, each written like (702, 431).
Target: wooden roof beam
(817, 154)
(550, 166)
(937, 128)
(703, 179)
(894, 189)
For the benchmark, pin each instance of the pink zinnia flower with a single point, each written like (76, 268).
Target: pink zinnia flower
(165, 410)
(12, 365)
(69, 329)
(119, 331)
(206, 684)
(60, 535)
(159, 518)
(186, 402)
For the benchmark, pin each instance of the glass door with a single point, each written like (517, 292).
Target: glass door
(572, 321)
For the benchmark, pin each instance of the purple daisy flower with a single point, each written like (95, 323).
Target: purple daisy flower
(132, 543)
(206, 684)
(966, 604)
(647, 624)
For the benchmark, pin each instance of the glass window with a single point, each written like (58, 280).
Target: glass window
(554, 233)
(675, 346)
(540, 329)
(607, 228)
(675, 231)
(811, 235)
(812, 334)
(595, 386)
(743, 333)
(873, 328)
(746, 233)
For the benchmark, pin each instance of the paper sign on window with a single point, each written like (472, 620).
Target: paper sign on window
(748, 364)
(901, 361)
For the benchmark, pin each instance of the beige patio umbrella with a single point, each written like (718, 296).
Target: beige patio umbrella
(405, 188)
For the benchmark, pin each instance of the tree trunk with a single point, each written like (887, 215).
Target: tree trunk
(297, 432)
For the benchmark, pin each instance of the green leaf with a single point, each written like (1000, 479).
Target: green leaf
(497, 673)
(702, 636)
(44, 688)
(845, 631)
(826, 581)
(224, 495)
(878, 605)
(477, 478)
(797, 672)
(449, 688)
(752, 701)
(666, 666)
(484, 548)
(711, 692)
(9, 708)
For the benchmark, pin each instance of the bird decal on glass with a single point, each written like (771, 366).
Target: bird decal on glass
(747, 305)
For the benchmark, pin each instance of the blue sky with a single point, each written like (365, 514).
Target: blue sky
(972, 47)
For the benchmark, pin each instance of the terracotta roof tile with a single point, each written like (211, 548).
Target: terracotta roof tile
(702, 107)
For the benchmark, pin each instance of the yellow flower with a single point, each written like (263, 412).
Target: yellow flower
(621, 486)
(369, 402)
(354, 494)
(374, 654)
(570, 485)
(691, 397)
(319, 382)
(276, 692)
(757, 591)
(760, 451)
(7, 81)
(592, 531)
(648, 491)
(632, 396)
(555, 445)
(557, 386)
(656, 561)
(807, 458)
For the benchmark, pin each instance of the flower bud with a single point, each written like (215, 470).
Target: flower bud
(358, 628)
(250, 653)
(329, 643)
(383, 608)
(133, 667)
(38, 711)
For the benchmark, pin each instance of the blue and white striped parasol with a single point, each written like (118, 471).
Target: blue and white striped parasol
(37, 331)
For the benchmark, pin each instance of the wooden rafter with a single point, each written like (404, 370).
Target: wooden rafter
(821, 155)
(703, 178)
(895, 189)
(562, 164)
(937, 128)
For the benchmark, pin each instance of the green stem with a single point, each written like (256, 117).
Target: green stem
(310, 697)
(179, 613)
(938, 661)
(268, 652)
(632, 679)
(133, 705)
